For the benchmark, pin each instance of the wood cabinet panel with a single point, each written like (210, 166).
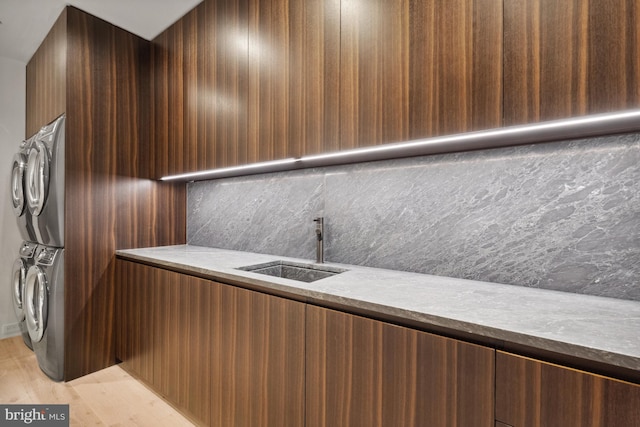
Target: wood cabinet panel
(412, 69)
(199, 341)
(374, 72)
(258, 80)
(94, 65)
(455, 66)
(257, 360)
(314, 79)
(170, 332)
(571, 58)
(98, 75)
(199, 77)
(268, 80)
(182, 341)
(228, 94)
(532, 393)
(134, 316)
(293, 77)
(362, 372)
(46, 75)
(167, 132)
(223, 355)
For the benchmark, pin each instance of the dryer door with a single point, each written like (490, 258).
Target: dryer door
(17, 183)
(19, 277)
(36, 301)
(37, 177)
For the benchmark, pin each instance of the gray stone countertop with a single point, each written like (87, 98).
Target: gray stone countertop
(600, 329)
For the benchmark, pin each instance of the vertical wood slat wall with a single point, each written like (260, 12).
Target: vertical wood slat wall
(96, 74)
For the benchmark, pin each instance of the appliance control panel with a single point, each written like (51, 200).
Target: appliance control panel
(46, 256)
(27, 249)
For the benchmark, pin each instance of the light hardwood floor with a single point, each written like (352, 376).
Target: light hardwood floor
(109, 397)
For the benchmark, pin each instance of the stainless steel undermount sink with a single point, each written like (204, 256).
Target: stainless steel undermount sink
(294, 270)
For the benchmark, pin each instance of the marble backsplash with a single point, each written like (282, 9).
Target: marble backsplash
(562, 215)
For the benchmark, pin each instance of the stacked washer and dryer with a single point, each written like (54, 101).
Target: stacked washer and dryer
(37, 190)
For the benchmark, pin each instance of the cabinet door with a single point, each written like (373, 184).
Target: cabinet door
(417, 68)
(199, 80)
(570, 58)
(257, 358)
(134, 311)
(455, 66)
(362, 372)
(46, 78)
(229, 356)
(530, 393)
(181, 329)
(293, 77)
(374, 72)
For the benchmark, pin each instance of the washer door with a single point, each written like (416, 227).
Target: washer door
(17, 183)
(19, 277)
(37, 177)
(36, 301)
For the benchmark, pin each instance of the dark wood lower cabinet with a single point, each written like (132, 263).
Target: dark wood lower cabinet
(258, 360)
(531, 393)
(227, 356)
(133, 317)
(182, 314)
(223, 355)
(363, 372)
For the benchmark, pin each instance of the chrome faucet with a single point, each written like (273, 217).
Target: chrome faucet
(320, 235)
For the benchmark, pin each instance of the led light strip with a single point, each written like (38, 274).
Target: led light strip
(578, 127)
(232, 171)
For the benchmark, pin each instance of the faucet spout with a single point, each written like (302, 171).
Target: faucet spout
(320, 239)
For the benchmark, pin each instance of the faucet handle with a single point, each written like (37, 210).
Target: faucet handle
(319, 234)
(319, 226)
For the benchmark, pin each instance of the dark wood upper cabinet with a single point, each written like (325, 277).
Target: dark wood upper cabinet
(244, 81)
(455, 57)
(415, 68)
(570, 58)
(293, 77)
(374, 72)
(200, 90)
(46, 76)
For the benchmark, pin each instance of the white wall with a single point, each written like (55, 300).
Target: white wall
(12, 128)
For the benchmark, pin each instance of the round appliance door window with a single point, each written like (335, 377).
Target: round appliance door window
(36, 301)
(19, 277)
(37, 177)
(17, 183)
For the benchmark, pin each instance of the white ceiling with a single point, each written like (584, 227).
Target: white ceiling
(25, 23)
